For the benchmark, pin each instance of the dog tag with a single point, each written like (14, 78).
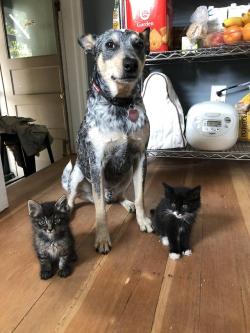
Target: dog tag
(133, 115)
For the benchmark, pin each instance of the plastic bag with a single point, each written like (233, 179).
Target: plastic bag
(198, 28)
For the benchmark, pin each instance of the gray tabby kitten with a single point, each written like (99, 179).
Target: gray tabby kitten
(52, 237)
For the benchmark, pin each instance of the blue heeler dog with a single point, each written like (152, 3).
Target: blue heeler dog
(113, 137)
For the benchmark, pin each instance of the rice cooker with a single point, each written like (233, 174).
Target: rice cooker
(212, 126)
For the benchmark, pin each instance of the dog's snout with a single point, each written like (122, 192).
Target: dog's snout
(130, 65)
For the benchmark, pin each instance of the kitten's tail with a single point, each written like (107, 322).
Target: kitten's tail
(66, 177)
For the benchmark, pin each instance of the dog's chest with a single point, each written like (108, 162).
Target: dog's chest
(113, 129)
(117, 142)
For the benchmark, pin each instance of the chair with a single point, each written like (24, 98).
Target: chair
(26, 162)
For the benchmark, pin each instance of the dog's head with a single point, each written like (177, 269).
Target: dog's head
(120, 57)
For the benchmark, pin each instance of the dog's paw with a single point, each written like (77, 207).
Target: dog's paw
(145, 225)
(128, 205)
(174, 256)
(103, 242)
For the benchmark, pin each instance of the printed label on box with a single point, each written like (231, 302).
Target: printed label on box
(155, 14)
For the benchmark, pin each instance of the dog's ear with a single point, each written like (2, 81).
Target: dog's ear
(145, 36)
(87, 42)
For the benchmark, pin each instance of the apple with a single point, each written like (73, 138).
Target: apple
(214, 39)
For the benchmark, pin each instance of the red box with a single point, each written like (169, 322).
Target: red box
(155, 14)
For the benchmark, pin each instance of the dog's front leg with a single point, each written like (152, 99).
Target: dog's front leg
(102, 241)
(138, 180)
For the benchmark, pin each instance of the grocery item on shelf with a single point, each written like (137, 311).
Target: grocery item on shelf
(198, 27)
(237, 10)
(116, 15)
(243, 108)
(155, 14)
(246, 32)
(216, 17)
(232, 34)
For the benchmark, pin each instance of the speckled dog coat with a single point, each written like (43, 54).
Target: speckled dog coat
(112, 139)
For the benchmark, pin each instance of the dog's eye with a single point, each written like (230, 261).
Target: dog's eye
(138, 44)
(110, 45)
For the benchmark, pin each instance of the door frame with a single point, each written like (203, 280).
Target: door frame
(71, 26)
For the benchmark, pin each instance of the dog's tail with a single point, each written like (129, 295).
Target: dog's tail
(66, 177)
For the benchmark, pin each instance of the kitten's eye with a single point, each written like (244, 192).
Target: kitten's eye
(185, 206)
(173, 205)
(110, 45)
(42, 223)
(57, 221)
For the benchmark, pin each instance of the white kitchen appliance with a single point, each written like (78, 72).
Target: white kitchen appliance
(212, 126)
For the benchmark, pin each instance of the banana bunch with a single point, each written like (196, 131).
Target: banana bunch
(246, 17)
(232, 21)
(238, 21)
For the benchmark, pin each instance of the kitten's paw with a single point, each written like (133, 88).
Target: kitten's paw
(174, 256)
(145, 225)
(187, 252)
(45, 275)
(66, 271)
(164, 241)
(103, 242)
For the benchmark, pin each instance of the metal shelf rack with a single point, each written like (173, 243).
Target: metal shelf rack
(201, 54)
(240, 151)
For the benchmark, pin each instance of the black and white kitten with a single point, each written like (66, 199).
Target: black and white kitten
(52, 237)
(174, 216)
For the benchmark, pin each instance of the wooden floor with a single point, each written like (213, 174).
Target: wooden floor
(135, 288)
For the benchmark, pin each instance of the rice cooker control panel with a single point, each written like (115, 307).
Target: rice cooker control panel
(213, 124)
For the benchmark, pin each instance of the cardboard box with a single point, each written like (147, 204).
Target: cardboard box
(155, 14)
(244, 126)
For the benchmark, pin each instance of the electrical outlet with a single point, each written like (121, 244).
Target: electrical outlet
(214, 97)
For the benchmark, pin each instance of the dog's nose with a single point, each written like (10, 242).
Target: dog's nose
(130, 65)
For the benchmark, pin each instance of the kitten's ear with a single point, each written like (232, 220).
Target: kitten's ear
(168, 189)
(195, 192)
(87, 42)
(62, 204)
(34, 208)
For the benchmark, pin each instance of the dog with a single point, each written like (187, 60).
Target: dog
(112, 139)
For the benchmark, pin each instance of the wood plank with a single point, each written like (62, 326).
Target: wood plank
(205, 295)
(125, 293)
(135, 288)
(241, 180)
(63, 297)
(185, 271)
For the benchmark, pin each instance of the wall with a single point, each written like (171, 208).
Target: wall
(192, 81)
